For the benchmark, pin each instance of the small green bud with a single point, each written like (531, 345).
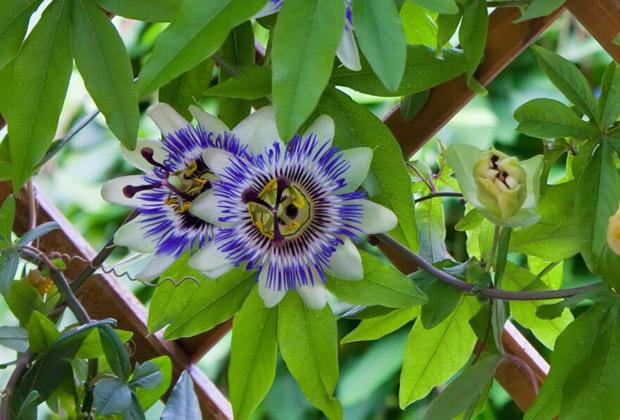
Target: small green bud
(613, 232)
(501, 183)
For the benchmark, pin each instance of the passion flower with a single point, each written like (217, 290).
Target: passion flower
(293, 213)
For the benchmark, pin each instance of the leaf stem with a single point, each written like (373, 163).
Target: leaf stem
(491, 293)
(439, 194)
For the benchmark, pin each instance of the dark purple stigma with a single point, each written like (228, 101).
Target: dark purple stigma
(178, 192)
(130, 190)
(251, 196)
(149, 155)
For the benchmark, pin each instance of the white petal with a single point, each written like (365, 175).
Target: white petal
(346, 263)
(347, 51)
(217, 159)
(323, 127)
(269, 9)
(206, 207)
(214, 274)
(359, 159)
(209, 258)
(112, 190)
(166, 118)
(271, 297)
(313, 295)
(208, 121)
(258, 130)
(377, 219)
(137, 160)
(132, 235)
(157, 266)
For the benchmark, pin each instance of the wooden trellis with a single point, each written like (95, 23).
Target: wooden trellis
(104, 296)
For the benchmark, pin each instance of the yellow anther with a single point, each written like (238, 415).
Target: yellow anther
(192, 167)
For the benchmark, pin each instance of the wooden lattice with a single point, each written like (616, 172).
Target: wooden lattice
(105, 296)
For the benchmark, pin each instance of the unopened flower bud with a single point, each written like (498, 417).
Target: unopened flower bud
(613, 232)
(40, 282)
(501, 183)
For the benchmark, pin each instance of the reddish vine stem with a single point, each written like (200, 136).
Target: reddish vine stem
(473, 289)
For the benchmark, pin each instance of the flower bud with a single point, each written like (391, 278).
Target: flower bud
(501, 183)
(613, 232)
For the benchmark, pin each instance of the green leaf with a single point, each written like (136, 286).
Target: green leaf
(111, 396)
(41, 230)
(381, 38)
(447, 7)
(115, 352)
(419, 24)
(430, 219)
(42, 332)
(103, 62)
(309, 347)
(555, 237)
(7, 217)
(146, 375)
(382, 285)
(524, 312)
(9, 262)
(14, 338)
(464, 391)
(572, 347)
(609, 101)
(183, 402)
(447, 24)
(187, 89)
(91, 347)
(539, 8)
(253, 355)
(473, 37)
(596, 200)
(149, 11)
(442, 300)
(22, 300)
(566, 77)
(212, 303)
(412, 104)
(423, 70)
(380, 326)
(41, 75)
(253, 83)
(148, 397)
(13, 26)
(305, 39)
(388, 181)
(134, 411)
(433, 356)
(197, 32)
(547, 118)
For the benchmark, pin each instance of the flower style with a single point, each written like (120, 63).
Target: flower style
(501, 188)
(613, 232)
(292, 212)
(347, 51)
(175, 173)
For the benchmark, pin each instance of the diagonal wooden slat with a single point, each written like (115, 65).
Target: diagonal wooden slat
(104, 296)
(601, 18)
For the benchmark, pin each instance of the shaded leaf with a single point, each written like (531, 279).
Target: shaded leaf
(149, 11)
(42, 332)
(111, 396)
(14, 338)
(183, 402)
(539, 8)
(115, 352)
(148, 397)
(146, 375)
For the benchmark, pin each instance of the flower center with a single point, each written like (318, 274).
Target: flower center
(279, 211)
(184, 185)
(497, 172)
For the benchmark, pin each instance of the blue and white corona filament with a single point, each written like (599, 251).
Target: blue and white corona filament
(175, 173)
(292, 213)
(347, 51)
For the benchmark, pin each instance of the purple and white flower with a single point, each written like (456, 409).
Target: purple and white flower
(175, 172)
(347, 51)
(292, 212)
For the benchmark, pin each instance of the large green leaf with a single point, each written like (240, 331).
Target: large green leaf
(433, 356)
(103, 62)
(111, 396)
(547, 118)
(22, 299)
(253, 355)
(42, 332)
(379, 326)
(13, 26)
(609, 101)
(253, 83)
(382, 39)
(596, 200)
(423, 70)
(148, 397)
(41, 75)
(197, 32)
(572, 347)
(305, 39)
(149, 11)
(473, 37)
(309, 347)
(382, 285)
(419, 24)
(566, 77)
(186, 90)
(115, 352)
(447, 7)
(388, 182)
(539, 8)
(524, 312)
